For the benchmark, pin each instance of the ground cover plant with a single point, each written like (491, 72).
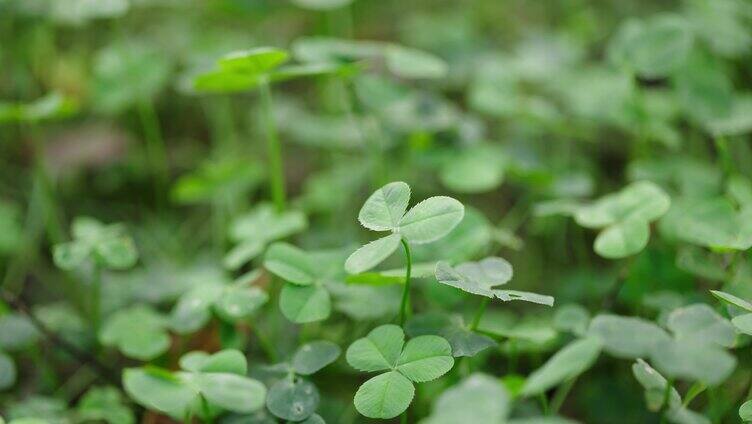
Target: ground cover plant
(359, 211)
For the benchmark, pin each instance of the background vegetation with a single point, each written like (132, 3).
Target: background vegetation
(185, 178)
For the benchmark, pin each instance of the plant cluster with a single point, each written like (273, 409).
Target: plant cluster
(190, 191)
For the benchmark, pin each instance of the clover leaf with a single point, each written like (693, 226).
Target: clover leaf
(655, 386)
(138, 332)
(305, 297)
(626, 337)
(387, 395)
(711, 222)
(219, 380)
(477, 398)
(569, 362)
(482, 277)
(384, 210)
(230, 302)
(255, 230)
(464, 342)
(93, 242)
(624, 217)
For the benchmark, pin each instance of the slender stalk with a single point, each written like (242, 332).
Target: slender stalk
(696, 388)
(96, 299)
(274, 149)
(544, 403)
(156, 150)
(724, 155)
(405, 304)
(561, 395)
(42, 178)
(479, 313)
(403, 418)
(664, 403)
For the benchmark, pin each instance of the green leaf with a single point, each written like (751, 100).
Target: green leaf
(743, 323)
(16, 332)
(384, 396)
(290, 263)
(745, 411)
(654, 47)
(7, 371)
(463, 341)
(311, 357)
(431, 219)
(375, 279)
(640, 201)
(693, 359)
(254, 61)
(225, 361)
(230, 391)
(475, 277)
(732, 300)
(477, 398)
(265, 224)
(572, 318)
(117, 252)
(237, 303)
(159, 391)
(700, 322)
(302, 304)
(379, 350)
(710, 222)
(385, 207)
(425, 358)
(138, 332)
(321, 4)
(474, 170)
(626, 337)
(654, 384)
(372, 254)
(509, 295)
(242, 254)
(104, 404)
(411, 63)
(71, 255)
(622, 239)
(193, 310)
(293, 400)
(569, 362)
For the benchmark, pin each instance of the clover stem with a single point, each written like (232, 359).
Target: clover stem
(156, 152)
(43, 180)
(561, 395)
(404, 306)
(697, 388)
(205, 410)
(96, 298)
(274, 149)
(724, 156)
(664, 404)
(403, 418)
(479, 313)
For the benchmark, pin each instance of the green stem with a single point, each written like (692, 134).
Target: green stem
(664, 403)
(403, 418)
(96, 299)
(561, 395)
(274, 149)
(266, 345)
(156, 150)
(205, 410)
(544, 403)
(42, 178)
(697, 388)
(405, 304)
(724, 155)
(479, 313)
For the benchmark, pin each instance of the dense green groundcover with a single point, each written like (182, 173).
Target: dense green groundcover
(353, 211)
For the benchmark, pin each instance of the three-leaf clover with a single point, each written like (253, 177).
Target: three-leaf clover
(255, 230)
(93, 242)
(245, 70)
(389, 394)
(138, 332)
(304, 298)
(385, 210)
(625, 218)
(230, 302)
(207, 385)
(483, 277)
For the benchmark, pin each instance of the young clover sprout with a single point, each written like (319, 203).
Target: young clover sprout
(206, 386)
(385, 210)
(389, 394)
(293, 398)
(258, 68)
(481, 278)
(95, 247)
